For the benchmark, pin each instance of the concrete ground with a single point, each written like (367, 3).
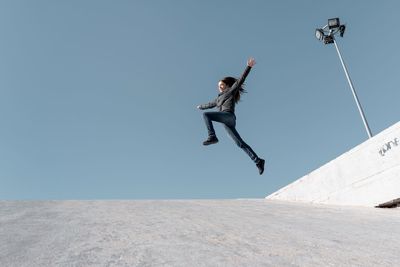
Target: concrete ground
(196, 233)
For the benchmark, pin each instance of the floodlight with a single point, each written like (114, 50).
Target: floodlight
(342, 28)
(333, 23)
(328, 39)
(319, 33)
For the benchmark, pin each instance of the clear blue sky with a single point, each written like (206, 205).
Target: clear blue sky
(98, 98)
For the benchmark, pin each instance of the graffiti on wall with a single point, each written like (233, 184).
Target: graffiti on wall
(389, 146)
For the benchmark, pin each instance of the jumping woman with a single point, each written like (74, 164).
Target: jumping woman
(230, 90)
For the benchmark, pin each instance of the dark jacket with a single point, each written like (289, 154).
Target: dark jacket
(225, 101)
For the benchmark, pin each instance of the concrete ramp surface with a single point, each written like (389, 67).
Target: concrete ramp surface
(367, 175)
(255, 232)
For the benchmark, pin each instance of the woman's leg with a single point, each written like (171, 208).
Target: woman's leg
(239, 141)
(209, 117)
(229, 121)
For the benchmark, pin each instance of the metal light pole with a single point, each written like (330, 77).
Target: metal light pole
(360, 109)
(328, 36)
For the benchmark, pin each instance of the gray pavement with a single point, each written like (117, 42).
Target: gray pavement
(196, 233)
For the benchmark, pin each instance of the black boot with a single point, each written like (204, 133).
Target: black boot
(260, 166)
(212, 139)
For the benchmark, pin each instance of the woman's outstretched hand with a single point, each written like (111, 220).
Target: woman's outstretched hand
(251, 62)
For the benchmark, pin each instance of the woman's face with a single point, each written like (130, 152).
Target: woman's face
(221, 86)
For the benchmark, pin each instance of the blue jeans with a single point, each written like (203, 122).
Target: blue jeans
(228, 119)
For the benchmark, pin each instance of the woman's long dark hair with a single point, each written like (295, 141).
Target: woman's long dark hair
(229, 81)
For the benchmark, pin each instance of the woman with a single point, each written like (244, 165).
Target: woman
(230, 90)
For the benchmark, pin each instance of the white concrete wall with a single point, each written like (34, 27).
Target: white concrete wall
(367, 175)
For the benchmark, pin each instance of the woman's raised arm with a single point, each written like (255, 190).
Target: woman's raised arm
(250, 63)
